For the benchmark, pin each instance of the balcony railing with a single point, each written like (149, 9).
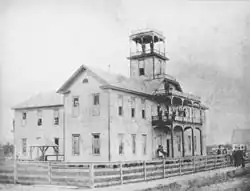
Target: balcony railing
(168, 119)
(148, 51)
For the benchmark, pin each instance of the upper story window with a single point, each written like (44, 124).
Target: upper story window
(56, 117)
(96, 104)
(96, 99)
(133, 107)
(24, 118)
(143, 108)
(39, 118)
(75, 106)
(120, 105)
(141, 68)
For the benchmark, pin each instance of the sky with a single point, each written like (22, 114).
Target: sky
(43, 42)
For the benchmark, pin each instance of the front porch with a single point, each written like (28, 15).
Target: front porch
(178, 140)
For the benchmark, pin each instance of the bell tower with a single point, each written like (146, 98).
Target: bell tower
(147, 54)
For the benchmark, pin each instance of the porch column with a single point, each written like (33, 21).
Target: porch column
(192, 141)
(201, 142)
(172, 141)
(183, 143)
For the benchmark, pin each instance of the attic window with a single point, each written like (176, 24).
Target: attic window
(85, 80)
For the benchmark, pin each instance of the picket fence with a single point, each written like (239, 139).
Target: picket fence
(104, 174)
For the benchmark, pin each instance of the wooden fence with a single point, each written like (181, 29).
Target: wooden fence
(104, 174)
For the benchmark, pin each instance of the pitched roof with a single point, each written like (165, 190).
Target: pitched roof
(42, 100)
(241, 136)
(103, 76)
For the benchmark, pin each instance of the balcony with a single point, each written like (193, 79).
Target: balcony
(167, 120)
(161, 120)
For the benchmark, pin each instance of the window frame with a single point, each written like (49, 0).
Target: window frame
(56, 117)
(74, 153)
(133, 136)
(141, 66)
(144, 143)
(24, 120)
(39, 118)
(75, 107)
(143, 108)
(121, 144)
(24, 148)
(94, 100)
(120, 107)
(93, 143)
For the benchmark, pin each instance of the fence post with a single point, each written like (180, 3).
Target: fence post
(49, 172)
(15, 170)
(91, 175)
(145, 170)
(180, 165)
(215, 158)
(205, 162)
(164, 162)
(193, 163)
(121, 173)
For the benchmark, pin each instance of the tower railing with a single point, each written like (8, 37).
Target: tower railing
(148, 51)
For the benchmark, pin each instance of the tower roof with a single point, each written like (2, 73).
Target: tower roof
(147, 35)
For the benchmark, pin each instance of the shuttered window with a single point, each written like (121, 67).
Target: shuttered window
(96, 143)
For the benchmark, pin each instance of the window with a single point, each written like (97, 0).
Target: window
(85, 80)
(24, 114)
(144, 144)
(143, 106)
(56, 117)
(96, 144)
(133, 143)
(141, 68)
(56, 141)
(195, 144)
(24, 146)
(121, 144)
(75, 108)
(120, 105)
(178, 137)
(132, 107)
(133, 112)
(96, 99)
(189, 143)
(39, 120)
(76, 144)
(24, 117)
